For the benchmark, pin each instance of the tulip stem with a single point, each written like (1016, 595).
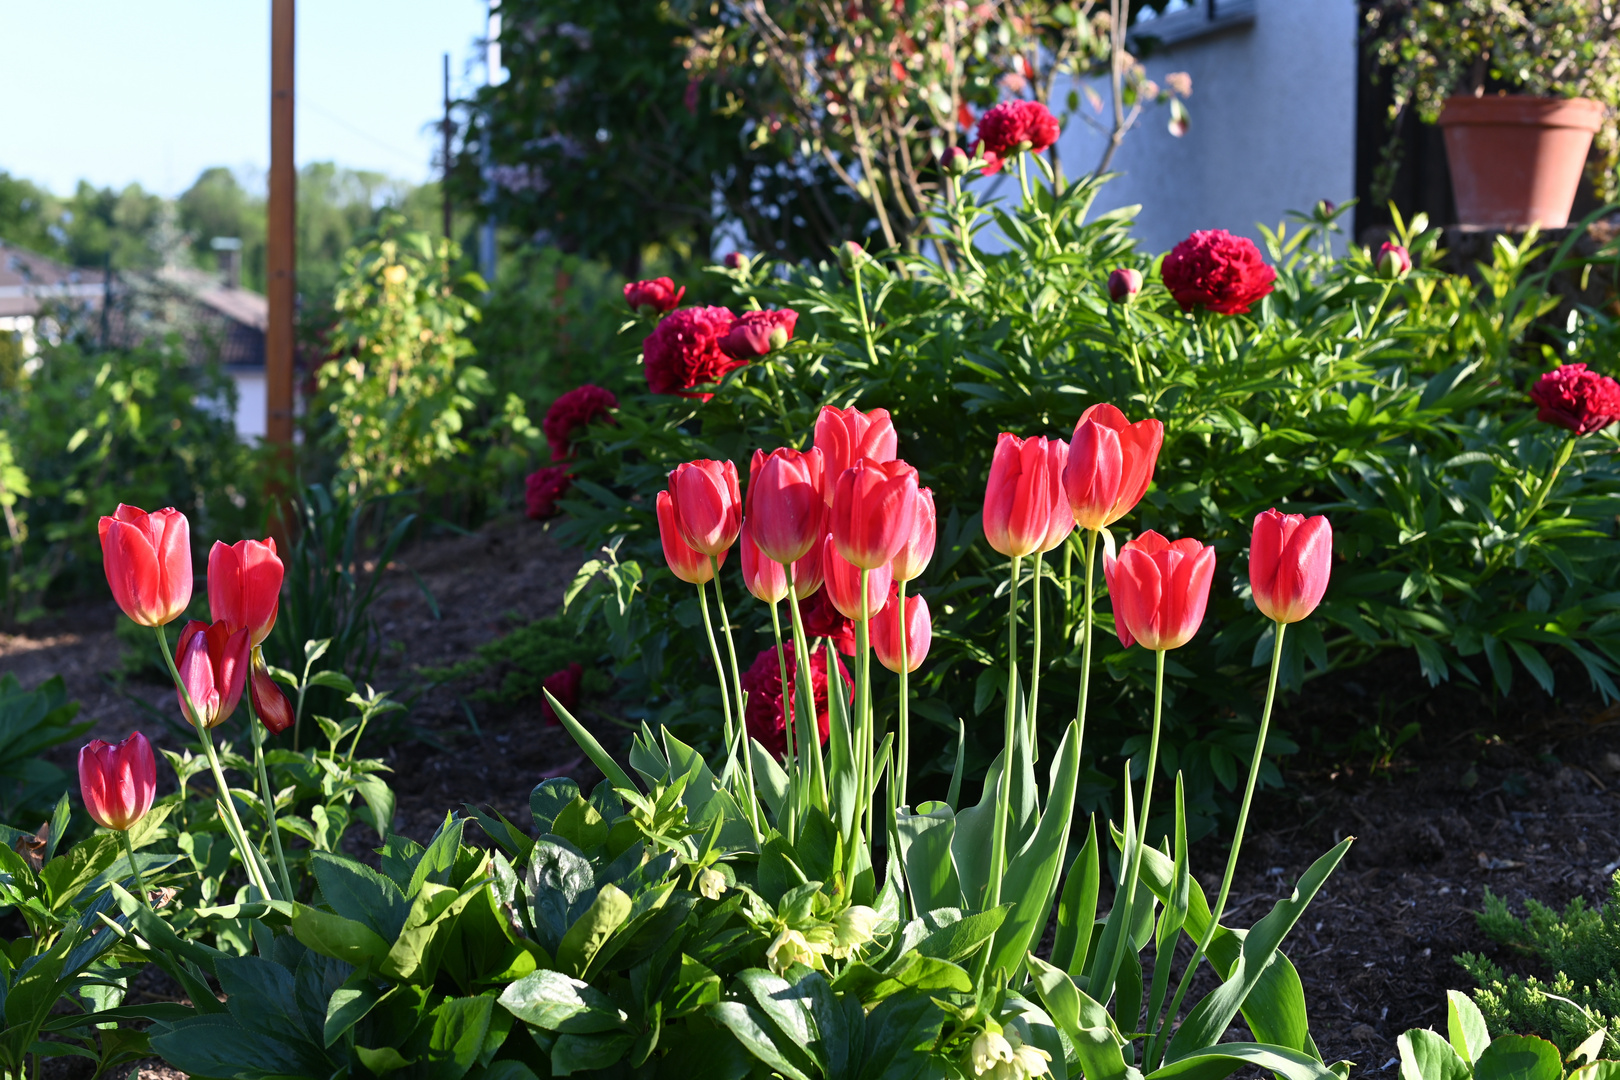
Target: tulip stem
(1237, 843)
(1085, 641)
(802, 660)
(902, 771)
(249, 862)
(788, 733)
(736, 684)
(269, 796)
(135, 868)
(1035, 658)
(863, 725)
(860, 307)
(1133, 873)
(719, 664)
(998, 836)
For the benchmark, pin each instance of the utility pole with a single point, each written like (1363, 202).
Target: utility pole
(492, 64)
(444, 189)
(280, 255)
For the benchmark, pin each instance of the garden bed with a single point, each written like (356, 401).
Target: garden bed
(1523, 799)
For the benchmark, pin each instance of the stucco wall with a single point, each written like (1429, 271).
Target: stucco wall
(1273, 127)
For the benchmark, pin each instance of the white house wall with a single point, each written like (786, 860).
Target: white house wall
(1273, 127)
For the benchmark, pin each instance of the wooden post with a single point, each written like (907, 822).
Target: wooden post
(280, 256)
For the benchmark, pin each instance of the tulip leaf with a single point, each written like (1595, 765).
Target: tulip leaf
(1091, 1031)
(770, 781)
(841, 756)
(1077, 907)
(925, 847)
(1031, 875)
(1219, 1062)
(587, 742)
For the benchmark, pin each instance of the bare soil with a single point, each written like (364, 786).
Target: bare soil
(1521, 795)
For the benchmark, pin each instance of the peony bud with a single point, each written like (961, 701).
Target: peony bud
(736, 260)
(1124, 284)
(955, 161)
(1394, 262)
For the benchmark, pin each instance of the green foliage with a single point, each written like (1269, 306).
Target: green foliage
(1469, 1052)
(1580, 946)
(528, 654)
(397, 386)
(90, 429)
(1467, 534)
(31, 722)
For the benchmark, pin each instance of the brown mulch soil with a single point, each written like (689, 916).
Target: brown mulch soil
(1521, 796)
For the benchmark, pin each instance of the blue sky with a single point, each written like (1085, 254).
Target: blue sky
(155, 91)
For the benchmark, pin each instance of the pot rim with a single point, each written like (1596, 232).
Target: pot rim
(1522, 110)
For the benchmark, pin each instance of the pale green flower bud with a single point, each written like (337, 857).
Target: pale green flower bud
(711, 883)
(989, 1049)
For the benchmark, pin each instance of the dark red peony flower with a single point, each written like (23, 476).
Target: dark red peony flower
(657, 294)
(1219, 271)
(763, 684)
(683, 351)
(1573, 397)
(1013, 126)
(572, 412)
(543, 488)
(821, 619)
(564, 686)
(756, 333)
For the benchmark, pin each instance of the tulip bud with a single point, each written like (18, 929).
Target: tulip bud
(843, 582)
(1110, 465)
(873, 510)
(117, 781)
(1024, 488)
(913, 557)
(708, 506)
(1124, 284)
(1394, 262)
(955, 161)
(692, 567)
(1290, 559)
(244, 586)
(844, 436)
(1159, 590)
(785, 505)
(147, 559)
(763, 577)
(269, 702)
(918, 630)
(213, 665)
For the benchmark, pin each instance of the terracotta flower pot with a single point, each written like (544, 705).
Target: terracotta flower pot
(1515, 161)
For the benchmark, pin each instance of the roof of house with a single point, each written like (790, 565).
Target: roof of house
(28, 281)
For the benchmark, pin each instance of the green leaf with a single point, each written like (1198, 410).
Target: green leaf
(1219, 1062)
(1209, 1019)
(791, 1007)
(548, 798)
(1091, 1031)
(360, 894)
(337, 937)
(458, 1034)
(551, 1001)
(1077, 907)
(382, 1061)
(1518, 1057)
(577, 1053)
(1426, 1056)
(900, 1037)
(593, 749)
(591, 930)
(960, 938)
(749, 1026)
(348, 1005)
(1466, 1026)
(925, 846)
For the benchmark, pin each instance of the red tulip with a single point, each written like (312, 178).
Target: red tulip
(1061, 523)
(244, 585)
(213, 662)
(807, 575)
(271, 705)
(844, 436)
(1290, 556)
(117, 780)
(785, 506)
(564, 686)
(764, 577)
(873, 511)
(843, 580)
(1159, 590)
(1110, 465)
(913, 557)
(919, 630)
(1023, 491)
(690, 566)
(147, 558)
(708, 506)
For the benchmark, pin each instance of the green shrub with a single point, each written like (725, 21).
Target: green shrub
(1579, 945)
(527, 655)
